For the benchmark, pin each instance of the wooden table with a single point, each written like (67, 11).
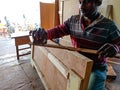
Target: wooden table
(21, 38)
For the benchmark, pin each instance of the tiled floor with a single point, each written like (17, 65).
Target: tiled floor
(14, 74)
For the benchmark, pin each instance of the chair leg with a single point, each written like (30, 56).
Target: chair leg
(17, 51)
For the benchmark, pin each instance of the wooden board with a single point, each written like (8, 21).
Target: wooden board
(75, 61)
(47, 13)
(49, 16)
(62, 69)
(111, 73)
(56, 75)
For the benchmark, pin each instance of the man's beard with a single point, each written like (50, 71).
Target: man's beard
(90, 15)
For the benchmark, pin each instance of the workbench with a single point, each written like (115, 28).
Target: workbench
(21, 38)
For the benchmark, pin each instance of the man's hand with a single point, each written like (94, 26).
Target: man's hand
(107, 50)
(39, 36)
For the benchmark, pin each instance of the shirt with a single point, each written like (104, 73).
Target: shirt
(100, 31)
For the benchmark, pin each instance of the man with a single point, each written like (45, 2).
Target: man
(89, 30)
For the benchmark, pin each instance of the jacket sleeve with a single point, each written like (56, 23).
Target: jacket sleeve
(57, 32)
(114, 36)
(60, 30)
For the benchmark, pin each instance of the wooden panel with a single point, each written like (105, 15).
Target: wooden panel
(55, 80)
(47, 14)
(111, 73)
(55, 74)
(22, 40)
(75, 61)
(57, 18)
(64, 67)
(71, 73)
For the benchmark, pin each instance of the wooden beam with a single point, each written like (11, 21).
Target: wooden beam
(108, 10)
(111, 73)
(67, 48)
(74, 81)
(91, 51)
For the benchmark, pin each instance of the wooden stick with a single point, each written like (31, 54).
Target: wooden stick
(108, 10)
(111, 74)
(113, 62)
(74, 49)
(67, 48)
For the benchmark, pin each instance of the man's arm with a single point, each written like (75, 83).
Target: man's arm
(58, 31)
(112, 47)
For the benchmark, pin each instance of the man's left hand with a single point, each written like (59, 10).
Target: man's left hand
(39, 36)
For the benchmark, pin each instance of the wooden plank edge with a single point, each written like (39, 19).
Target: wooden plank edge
(87, 74)
(111, 74)
(58, 65)
(54, 60)
(74, 81)
(40, 75)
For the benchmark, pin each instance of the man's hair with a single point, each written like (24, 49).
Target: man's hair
(98, 2)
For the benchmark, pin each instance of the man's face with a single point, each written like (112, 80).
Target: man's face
(88, 7)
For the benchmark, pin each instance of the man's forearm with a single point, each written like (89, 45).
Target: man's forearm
(57, 32)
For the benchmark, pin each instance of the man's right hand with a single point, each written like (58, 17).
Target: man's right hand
(39, 36)
(107, 50)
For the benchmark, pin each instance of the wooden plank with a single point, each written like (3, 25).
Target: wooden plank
(108, 10)
(49, 14)
(49, 70)
(74, 81)
(113, 62)
(74, 61)
(58, 65)
(53, 69)
(91, 51)
(39, 73)
(67, 48)
(56, 16)
(22, 40)
(111, 73)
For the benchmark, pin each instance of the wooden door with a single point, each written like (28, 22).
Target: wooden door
(49, 14)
